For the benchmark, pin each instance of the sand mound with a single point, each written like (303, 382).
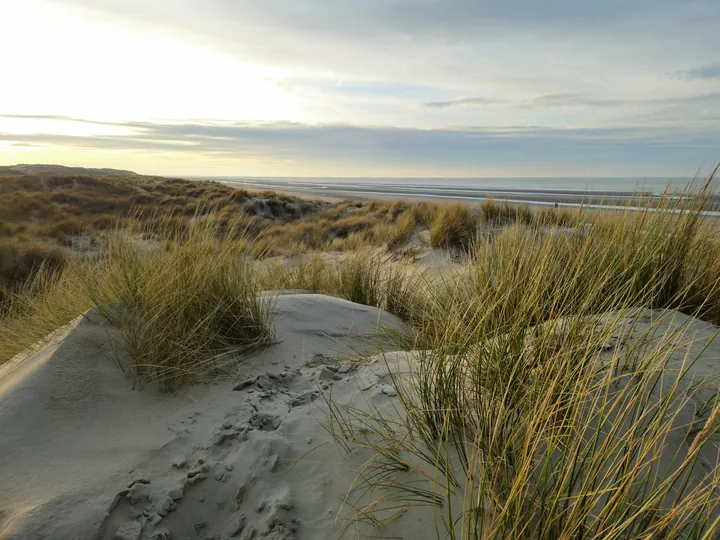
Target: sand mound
(86, 456)
(284, 210)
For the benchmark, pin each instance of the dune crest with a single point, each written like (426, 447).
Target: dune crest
(86, 456)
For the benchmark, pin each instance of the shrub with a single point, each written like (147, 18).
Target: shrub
(404, 229)
(453, 227)
(65, 229)
(183, 305)
(20, 262)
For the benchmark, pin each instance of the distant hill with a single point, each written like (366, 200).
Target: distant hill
(44, 214)
(61, 170)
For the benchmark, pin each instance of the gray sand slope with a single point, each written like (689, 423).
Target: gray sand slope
(86, 456)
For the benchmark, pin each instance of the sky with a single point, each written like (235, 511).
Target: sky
(440, 88)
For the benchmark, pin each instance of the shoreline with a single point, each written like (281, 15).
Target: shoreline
(594, 199)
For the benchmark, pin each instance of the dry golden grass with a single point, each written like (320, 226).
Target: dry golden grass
(184, 305)
(181, 304)
(364, 277)
(513, 428)
(43, 213)
(453, 227)
(20, 262)
(518, 430)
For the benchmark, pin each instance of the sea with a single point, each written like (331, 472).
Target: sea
(654, 185)
(558, 191)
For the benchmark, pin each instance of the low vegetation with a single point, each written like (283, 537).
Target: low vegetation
(365, 277)
(453, 226)
(181, 307)
(517, 419)
(48, 217)
(42, 215)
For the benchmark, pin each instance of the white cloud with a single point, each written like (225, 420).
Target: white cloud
(406, 65)
(64, 61)
(346, 150)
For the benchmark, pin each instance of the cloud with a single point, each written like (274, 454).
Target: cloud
(460, 102)
(66, 118)
(454, 19)
(403, 62)
(454, 150)
(614, 82)
(445, 42)
(591, 110)
(559, 99)
(572, 99)
(389, 88)
(703, 72)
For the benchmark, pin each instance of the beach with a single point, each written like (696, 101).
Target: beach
(570, 192)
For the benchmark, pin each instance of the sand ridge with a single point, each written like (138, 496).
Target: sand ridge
(239, 455)
(86, 456)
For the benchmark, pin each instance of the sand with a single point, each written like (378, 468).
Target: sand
(84, 455)
(240, 455)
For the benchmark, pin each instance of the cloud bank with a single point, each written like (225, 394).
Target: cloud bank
(440, 85)
(458, 151)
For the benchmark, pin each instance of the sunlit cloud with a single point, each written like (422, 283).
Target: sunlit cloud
(460, 102)
(458, 151)
(703, 72)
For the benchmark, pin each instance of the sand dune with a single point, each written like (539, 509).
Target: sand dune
(243, 454)
(87, 456)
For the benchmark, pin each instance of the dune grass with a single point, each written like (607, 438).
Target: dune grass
(536, 435)
(41, 306)
(181, 306)
(519, 420)
(453, 227)
(19, 264)
(43, 213)
(518, 423)
(364, 277)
